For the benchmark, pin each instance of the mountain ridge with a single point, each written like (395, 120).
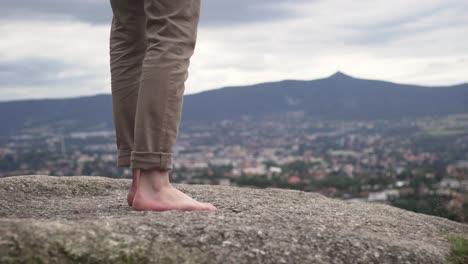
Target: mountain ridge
(338, 74)
(338, 96)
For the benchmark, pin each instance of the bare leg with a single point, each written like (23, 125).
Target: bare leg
(131, 193)
(155, 193)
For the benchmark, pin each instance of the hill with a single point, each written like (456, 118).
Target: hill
(339, 97)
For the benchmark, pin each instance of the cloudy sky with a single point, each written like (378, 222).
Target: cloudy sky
(55, 49)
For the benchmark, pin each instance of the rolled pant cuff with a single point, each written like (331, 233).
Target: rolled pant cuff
(123, 158)
(151, 160)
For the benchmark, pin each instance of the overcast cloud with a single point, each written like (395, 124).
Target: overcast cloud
(54, 49)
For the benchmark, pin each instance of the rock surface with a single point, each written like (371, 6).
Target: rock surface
(81, 219)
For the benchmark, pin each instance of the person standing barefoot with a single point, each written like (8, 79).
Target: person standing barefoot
(151, 43)
(155, 193)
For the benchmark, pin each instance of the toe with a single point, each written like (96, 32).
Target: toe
(210, 207)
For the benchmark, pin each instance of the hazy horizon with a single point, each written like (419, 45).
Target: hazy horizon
(233, 86)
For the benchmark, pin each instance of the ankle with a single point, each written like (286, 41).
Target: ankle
(154, 179)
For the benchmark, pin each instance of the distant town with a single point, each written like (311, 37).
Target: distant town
(418, 164)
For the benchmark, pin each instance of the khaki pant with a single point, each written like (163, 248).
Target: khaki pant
(151, 42)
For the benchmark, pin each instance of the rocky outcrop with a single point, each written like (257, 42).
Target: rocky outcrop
(82, 219)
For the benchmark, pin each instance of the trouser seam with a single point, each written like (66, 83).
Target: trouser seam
(165, 113)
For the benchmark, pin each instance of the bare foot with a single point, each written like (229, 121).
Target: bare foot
(155, 193)
(131, 193)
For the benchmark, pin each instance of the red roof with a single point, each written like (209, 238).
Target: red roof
(294, 179)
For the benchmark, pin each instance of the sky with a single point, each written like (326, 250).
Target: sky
(60, 49)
